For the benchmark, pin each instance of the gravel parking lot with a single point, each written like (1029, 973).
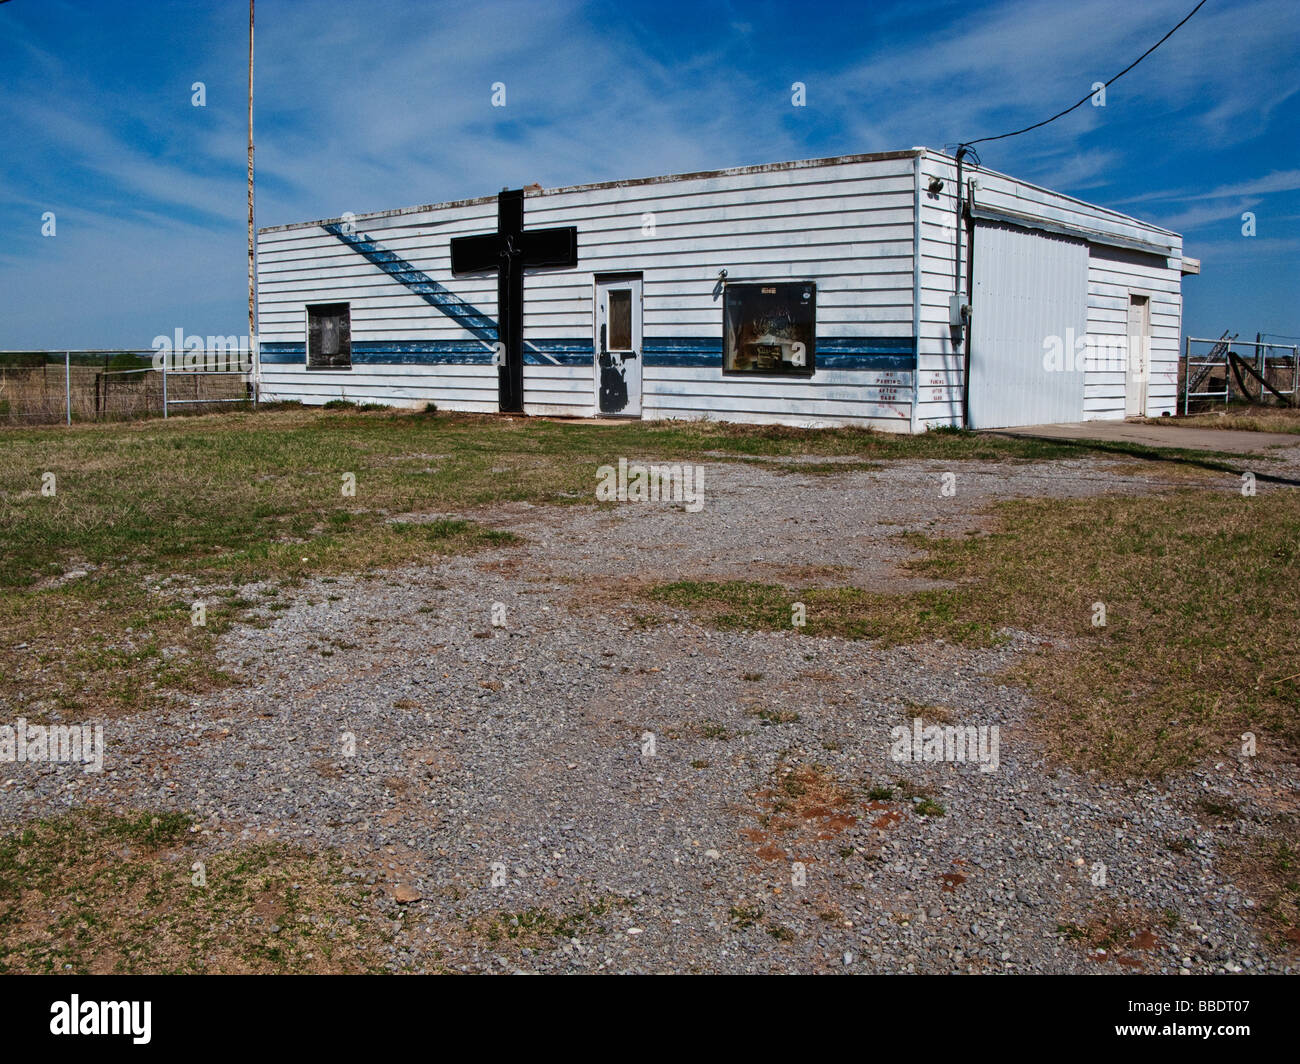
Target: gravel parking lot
(612, 787)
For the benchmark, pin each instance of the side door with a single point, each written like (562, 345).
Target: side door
(1138, 368)
(618, 346)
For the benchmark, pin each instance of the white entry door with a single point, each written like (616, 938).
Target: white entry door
(1138, 370)
(618, 346)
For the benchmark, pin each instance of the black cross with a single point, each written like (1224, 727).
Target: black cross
(508, 251)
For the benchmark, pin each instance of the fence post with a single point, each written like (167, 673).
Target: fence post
(1187, 370)
(67, 382)
(164, 373)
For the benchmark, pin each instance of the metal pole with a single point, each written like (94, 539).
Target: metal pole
(164, 373)
(67, 381)
(1187, 371)
(252, 247)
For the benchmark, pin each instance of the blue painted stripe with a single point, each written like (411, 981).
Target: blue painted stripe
(279, 354)
(855, 352)
(858, 353)
(436, 295)
(436, 352)
(866, 362)
(559, 352)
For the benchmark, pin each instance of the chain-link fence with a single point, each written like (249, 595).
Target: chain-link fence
(45, 387)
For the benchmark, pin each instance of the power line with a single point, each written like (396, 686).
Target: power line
(1105, 84)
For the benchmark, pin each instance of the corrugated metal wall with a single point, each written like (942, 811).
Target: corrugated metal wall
(1030, 288)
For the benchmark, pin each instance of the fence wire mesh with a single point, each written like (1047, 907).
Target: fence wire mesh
(47, 387)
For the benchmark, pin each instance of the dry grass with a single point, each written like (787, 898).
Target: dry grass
(1239, 417)
(89, 892)
(1120, 931)
(1268, 869)
(805, 807)
(159, 514)
(540, 928)
(38, 394)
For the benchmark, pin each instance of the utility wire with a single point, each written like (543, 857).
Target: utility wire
(1105, 84)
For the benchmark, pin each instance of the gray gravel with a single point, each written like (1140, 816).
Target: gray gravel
(521, 748)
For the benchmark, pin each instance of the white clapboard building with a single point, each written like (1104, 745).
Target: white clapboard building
(825, 292)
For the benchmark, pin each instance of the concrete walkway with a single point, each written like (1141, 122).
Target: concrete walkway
(1187, 437)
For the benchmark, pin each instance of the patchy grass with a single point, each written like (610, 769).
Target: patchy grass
(1114, 926)
(1202, 625)
(1123, 931)
(97, 581)
(768, 716)
(929, 807)
(847, 612)
(539, 928)
(1269, 870)
(90, 892)
(1240, 417)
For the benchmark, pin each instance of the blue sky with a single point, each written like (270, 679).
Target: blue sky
(382, 104)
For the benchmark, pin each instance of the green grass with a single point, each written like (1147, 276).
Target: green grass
(1202, 596)
(240, 491)
(538, 928)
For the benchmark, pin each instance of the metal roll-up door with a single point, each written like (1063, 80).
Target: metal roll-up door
(1030, 287)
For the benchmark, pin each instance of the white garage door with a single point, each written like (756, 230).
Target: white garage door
(1029, 286)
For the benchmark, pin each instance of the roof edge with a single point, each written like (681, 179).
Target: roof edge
(979, 168)
(695, 175)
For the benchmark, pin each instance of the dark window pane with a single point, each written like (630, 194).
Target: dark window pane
(769, 329)
(329, 336)
(620, 319)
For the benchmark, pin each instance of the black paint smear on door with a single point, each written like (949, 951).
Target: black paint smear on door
(613, 385)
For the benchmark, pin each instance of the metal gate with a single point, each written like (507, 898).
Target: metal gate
(1031, 292)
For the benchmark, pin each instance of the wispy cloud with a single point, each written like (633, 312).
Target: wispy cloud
(385, 104)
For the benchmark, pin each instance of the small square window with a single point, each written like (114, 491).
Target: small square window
(770, 329)
(329, 336)
(620, 319)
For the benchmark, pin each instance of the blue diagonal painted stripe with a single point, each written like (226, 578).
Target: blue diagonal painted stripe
(463, 314)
